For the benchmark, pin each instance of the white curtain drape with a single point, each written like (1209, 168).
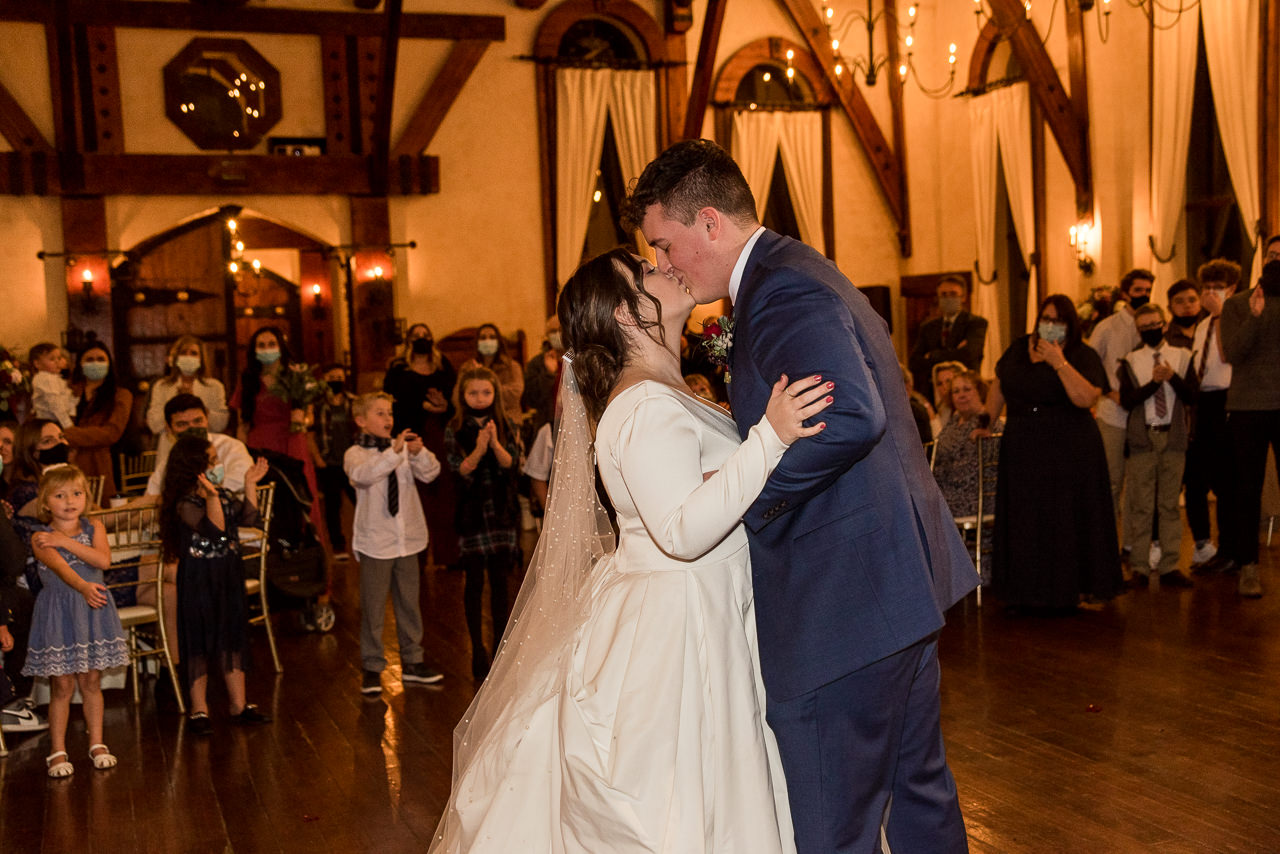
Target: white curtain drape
(631, 107)
(984, 159)
(1173, 83)
(582, 96)
(755, 147)
(800, 143)
(1231, 47)
(1013, 129)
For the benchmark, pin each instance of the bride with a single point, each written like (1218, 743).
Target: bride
(624, 711)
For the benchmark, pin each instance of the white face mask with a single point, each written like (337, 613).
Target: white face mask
(487, 347)
(188, 364)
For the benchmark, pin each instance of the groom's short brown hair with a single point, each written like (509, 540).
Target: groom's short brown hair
(684, 179)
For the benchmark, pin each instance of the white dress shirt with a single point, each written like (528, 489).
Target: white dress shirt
(231, 452)
(374, 531)
(1114, 338)
(735, 279)
(1217, 373)
(1142, 362)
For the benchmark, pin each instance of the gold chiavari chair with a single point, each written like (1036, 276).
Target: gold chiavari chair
(135, 471)
(255, 543)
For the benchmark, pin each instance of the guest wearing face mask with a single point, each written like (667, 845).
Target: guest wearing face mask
(491, 353)
(187, 373)
(335, 432)
(102, 415)
(267, 423)
(541, 376)
(1054, 542)
(421, 380)
(1185, 312)
(953, 335)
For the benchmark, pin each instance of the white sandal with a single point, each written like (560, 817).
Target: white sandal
(102, 760)
(62, 768)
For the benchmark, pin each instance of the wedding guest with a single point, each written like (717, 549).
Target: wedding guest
(16, 605)
(267, 421)
(1100, 305)
(1054, 541)
(491, 353)
(951, 335)
(943, 372)
(701, 387)
(921, 411)
(1156, 383)
(186, 373)
(102, 415)
(1185, 312)
(335, 432)
(1251, 342)
(1210, 461)
(8, 435)
(482, 451)
(541, 375)
(39, 443)
(955, 461)
(51, 396)
(421, 380)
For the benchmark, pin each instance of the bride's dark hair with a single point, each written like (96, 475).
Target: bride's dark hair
(590, 329)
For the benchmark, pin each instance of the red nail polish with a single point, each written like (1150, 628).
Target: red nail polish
(822, 426)
(831, 385)
(829, 399)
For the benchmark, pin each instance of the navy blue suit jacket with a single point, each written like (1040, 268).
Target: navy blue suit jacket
(854, 552)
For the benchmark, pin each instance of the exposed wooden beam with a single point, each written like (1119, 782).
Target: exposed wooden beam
(337, 84)
(703, 70)
(984, 48)
(439, 97)
(1071, 135)
(148, 14)
(1269, 115)
(898, 122)
(102, 112)
(380, 150)
(1078, 75)
(16, 126)
(213, 174)
(884, 161)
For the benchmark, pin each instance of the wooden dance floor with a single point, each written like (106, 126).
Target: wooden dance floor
(1152, 725)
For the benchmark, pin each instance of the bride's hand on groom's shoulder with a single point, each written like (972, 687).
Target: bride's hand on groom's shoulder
(791, 403)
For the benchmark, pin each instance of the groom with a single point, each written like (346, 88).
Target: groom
(853, 550)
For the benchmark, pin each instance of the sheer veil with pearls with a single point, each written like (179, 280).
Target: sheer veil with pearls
(533, 656)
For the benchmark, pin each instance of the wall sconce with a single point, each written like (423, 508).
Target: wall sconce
(1080, 237)
(376, 274)
(317, 310)
(83, 273)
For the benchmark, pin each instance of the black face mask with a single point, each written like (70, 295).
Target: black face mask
(1136, 303)
(53, 456)
(421, 346)
(481, 415)
(198, 432)
(336, 386)
(1185, 322)
(1151, 337)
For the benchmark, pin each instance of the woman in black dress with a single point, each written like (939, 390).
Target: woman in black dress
(1055, 540)
(421, 381)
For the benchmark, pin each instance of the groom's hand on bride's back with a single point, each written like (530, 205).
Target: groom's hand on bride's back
(790, 405)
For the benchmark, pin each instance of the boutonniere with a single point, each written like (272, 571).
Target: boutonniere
(717, 339)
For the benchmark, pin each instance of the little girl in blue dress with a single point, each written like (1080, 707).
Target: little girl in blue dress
(75, 630)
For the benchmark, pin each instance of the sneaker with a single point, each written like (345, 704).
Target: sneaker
(371, 682)
(421, 674)
(16, 717)
(1205, 551)
(1154, 554)
(1250, 586)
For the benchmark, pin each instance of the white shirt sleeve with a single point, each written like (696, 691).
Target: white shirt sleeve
(425, 466)
(538, 465)
(658, 453)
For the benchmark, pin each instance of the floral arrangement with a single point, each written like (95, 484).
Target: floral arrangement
(717, 340)
(15, 383)
(298, 387)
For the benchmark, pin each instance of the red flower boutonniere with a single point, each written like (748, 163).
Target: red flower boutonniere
(717, 340)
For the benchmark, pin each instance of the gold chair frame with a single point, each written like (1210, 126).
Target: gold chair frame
(255, 544)
(135, 472)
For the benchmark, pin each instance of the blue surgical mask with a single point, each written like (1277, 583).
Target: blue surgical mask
(267, 357)
(216, 474)
(94, 371)
(1053, 331)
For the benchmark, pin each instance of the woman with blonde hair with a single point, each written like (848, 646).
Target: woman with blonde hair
(186, 373)
(491, 353)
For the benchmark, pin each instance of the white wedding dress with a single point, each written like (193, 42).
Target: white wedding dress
(629, 716)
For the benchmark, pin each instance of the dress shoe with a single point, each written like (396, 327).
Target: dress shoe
(1250, 586)
(1175, 579)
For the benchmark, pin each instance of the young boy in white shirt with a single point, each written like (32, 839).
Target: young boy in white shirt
(51, 397)
(388, 533)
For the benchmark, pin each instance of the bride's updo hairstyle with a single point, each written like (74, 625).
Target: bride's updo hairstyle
(590, 329)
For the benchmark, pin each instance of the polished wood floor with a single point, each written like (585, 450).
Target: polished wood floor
(1152, 725)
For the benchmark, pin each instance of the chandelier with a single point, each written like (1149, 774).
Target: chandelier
(870, 65)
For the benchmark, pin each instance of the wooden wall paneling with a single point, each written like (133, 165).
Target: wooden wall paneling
(703, 70)
(251, 19)
(430, 111)
(1269, 115)
(338, 123)
(884, 160)
(1047, 89)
